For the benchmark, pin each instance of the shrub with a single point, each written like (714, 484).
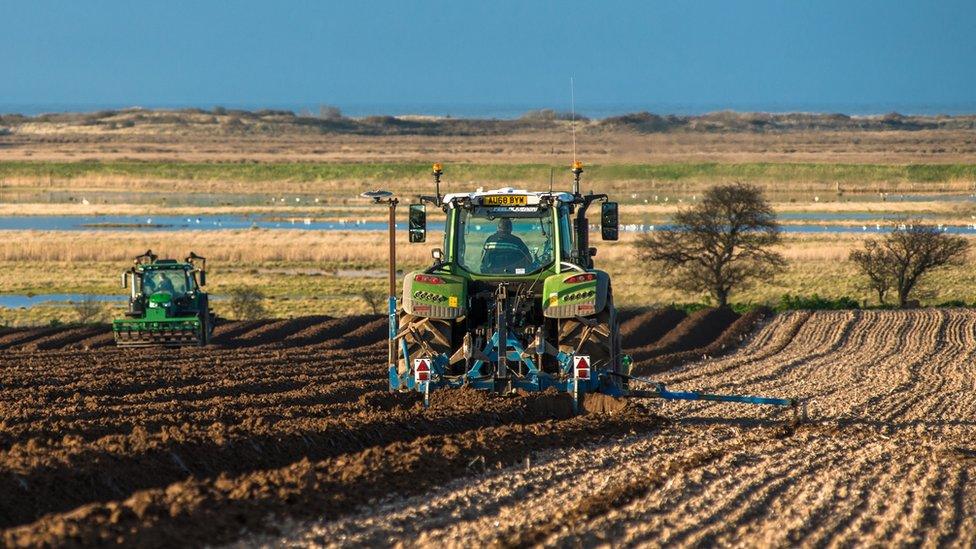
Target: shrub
(549, 115)
(815, 303)
(88, 310)
(246, 303)
(329, 112)
(374, 299)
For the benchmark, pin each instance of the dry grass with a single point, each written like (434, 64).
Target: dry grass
(334, 248)
(327, 273)
(66, 142)
(244, 246)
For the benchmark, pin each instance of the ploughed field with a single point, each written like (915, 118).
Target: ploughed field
(283, 432)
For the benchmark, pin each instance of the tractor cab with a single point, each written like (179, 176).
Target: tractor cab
(164, 282)
(507, 232)
(166, 303)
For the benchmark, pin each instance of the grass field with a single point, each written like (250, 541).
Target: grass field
(44, 172)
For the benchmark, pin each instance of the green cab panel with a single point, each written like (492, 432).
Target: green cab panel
(435, 295)
(571, 294)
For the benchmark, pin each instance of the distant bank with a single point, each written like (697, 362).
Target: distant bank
(333, 120)
(515, 111)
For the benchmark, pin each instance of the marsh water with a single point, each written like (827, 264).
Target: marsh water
(797, 222)
(17, 301)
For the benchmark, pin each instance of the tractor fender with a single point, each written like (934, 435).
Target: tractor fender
(561, 299)
(447, 299)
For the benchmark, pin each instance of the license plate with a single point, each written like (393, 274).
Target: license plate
(505, 200)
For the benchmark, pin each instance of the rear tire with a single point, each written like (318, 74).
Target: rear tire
(425, 337)
(205, 329)
(600, 341)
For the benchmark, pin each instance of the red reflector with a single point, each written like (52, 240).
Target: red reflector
(421, 370)
(588, 277)
(429, 279)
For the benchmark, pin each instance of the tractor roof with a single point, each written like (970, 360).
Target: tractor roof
(164, 264)
(533, 197)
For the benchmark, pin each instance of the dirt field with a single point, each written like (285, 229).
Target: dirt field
(283, 433)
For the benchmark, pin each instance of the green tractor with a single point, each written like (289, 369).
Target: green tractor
(512, 300)
(166, 304)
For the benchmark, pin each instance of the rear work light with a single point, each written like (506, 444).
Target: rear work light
(577, 279)
(429, 279)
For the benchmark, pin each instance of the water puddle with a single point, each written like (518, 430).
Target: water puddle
(17, 301)
(180, 223)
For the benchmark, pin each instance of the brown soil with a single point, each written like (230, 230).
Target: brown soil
(647, 328)
(885, 458)
(285, 419)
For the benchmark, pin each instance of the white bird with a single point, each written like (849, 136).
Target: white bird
(85, 201)
(864, 227)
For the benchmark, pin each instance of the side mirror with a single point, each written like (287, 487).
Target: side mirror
(609, 221)
(418, 223)
(125, 279)
(203, 278)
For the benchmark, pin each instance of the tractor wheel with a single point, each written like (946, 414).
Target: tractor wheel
(425, 337)
(206, 321)
(598, 337)
(204, 330)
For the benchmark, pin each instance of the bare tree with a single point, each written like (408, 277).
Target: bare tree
(374, 299)
(908, 253)
(722, 243)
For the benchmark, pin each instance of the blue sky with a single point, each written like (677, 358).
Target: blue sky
(664, 55)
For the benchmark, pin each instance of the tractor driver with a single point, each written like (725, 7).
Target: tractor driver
(504, 251)
(156, 283)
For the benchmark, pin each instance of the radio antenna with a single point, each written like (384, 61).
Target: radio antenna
(572, 95)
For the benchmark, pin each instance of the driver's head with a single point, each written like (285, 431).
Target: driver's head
(505, 225)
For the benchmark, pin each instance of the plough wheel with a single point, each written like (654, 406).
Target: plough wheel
(598, 337)
(425, 337)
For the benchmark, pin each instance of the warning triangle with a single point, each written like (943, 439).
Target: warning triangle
(422, 366)
(582, 364)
